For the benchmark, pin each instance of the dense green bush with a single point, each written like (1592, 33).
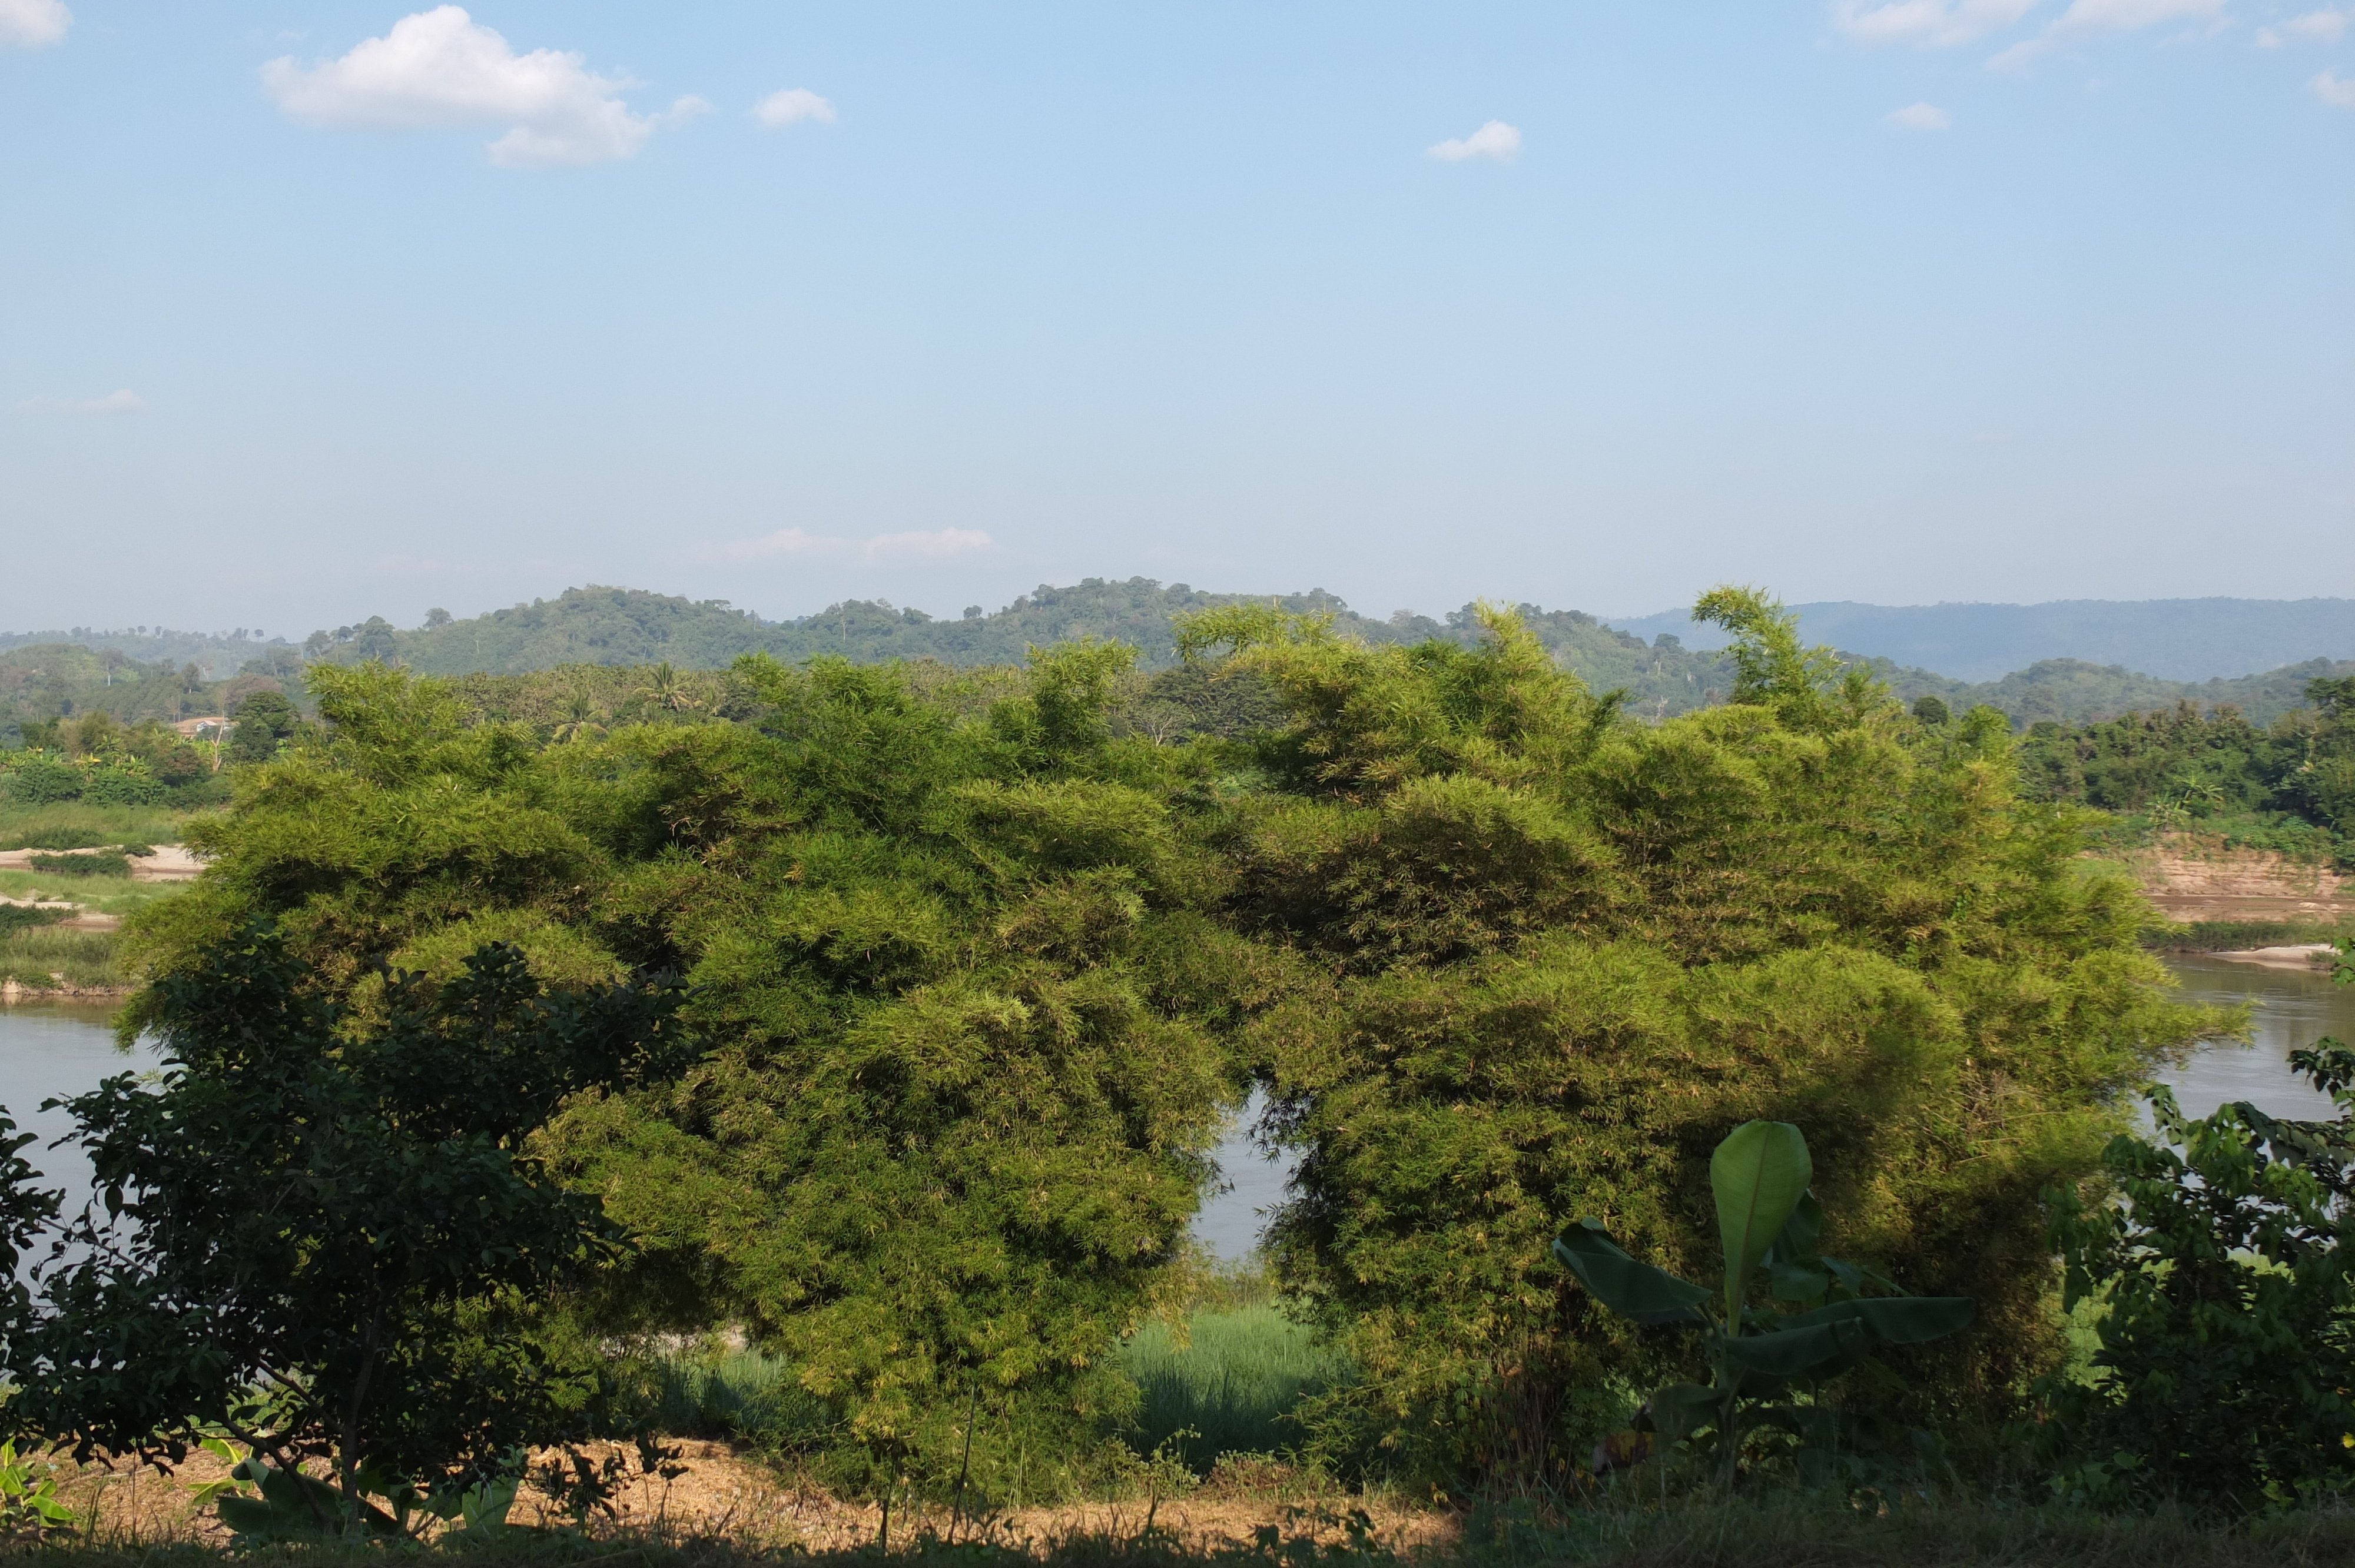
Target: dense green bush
(969, 1001)
(983, 971)
(1561, 957)
(102, 863)
(2216, 1282)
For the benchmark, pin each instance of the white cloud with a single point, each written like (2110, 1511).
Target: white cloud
(1921, 117)
(1940, 23)
(794, 103)
(2106, 16)
(2331, 90)
(801, 542)
(440, 68)
(1495, 140)
(123, 402)
(33, 24)
(939, 542)
(2323, 27)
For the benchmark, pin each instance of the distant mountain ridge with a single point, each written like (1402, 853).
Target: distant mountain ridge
(1674, 669)
(2172, 639)
(1658, 675)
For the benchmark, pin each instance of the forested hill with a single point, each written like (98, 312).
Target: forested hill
(1659, 674)
(2172, 639)
(630, 626)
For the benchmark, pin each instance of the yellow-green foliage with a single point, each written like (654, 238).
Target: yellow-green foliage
(1565, 956)
(981, 968)
(967, 1006)
(50, 957)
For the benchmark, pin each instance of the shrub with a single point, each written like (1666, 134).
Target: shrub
(104, 862)
(1561, 957)
(39, 779)
(2222, 1305)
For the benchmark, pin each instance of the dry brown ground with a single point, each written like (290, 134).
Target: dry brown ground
(726, 1494)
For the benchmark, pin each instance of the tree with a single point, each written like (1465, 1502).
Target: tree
(323, 1232)
(975, 1014)
(262, 720)
(1931, 711)
(1562, 954)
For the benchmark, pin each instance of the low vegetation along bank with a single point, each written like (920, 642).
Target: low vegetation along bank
(824, 1062)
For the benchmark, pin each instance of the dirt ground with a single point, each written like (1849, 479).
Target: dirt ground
(723, 1493)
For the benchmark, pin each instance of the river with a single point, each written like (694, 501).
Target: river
(49, 1050)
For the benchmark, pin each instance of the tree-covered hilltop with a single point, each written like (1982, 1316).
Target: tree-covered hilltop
(1659, 677)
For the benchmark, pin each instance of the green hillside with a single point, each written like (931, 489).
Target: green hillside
(612, 626)
(621, 628)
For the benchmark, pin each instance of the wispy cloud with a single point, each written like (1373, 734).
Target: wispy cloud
(123, 402)
(1939, 23)
(2088, 16)
(440, 67)
(1921, 117)
(33, 24)
(2323, 27)
(1495, 140)
(801, 542)
(2331, 90)
(790, 106)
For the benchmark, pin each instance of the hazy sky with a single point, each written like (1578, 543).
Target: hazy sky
(319, 310)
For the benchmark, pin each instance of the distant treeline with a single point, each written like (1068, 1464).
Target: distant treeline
(2288, 785)
(43, 683)
(1656, 678)
(618, 629)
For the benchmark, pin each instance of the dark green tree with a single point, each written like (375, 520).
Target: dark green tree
(262, 720)
(325, 1235)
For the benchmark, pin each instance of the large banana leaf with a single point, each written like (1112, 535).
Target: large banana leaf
(1896, 1320)
(1682, 1408)
(1630, 1288)
(1812, 1352)
(1758, 1174)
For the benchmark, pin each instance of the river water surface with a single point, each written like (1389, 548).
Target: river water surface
(47, 1050)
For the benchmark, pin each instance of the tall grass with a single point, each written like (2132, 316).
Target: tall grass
(739, 1396)
(2238, 936)
(45, 957)
(1231, 1388)
(70, 824)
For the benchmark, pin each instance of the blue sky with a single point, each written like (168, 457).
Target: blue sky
(315, 310)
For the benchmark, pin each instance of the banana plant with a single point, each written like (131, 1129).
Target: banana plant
(1768, 1221)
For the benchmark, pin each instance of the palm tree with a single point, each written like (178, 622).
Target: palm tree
(579, 719)
(668, 689)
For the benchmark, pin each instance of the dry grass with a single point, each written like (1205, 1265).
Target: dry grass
(726, 1510)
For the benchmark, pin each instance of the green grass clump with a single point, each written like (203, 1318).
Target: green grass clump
(18, 916)
(738, 1396)
(114, 863)
(2238, 936)
(45, 957)
(103, 895)
(65, 825)
(1235, 1385)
